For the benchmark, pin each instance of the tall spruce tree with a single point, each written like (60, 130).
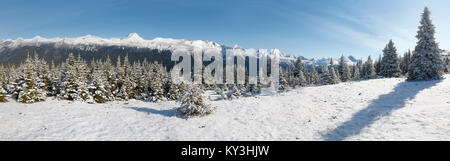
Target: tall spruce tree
(97, 87)
(301, 80)
(406, 60)
(29, 89)
(356, 75)
(55, 78)
(156, 79)
(377, 65)
(137, 78)
(306, 74)
(82, 72)
(73, 85)
(426, 63)
(3, 82)
(283, 80)
(298, 67)
(390, 64)
(314, 76)
(334, 75)
(326, 77)
(369, 69)
(344, 70)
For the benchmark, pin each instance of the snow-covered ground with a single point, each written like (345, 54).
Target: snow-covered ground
(382, 109)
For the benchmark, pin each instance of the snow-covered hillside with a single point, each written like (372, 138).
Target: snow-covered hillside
(380, 109)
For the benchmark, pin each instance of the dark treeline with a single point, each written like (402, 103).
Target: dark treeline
(59, 54)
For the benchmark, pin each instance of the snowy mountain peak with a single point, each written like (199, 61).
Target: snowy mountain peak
(133, 37)
(37, 37)
(277, 51)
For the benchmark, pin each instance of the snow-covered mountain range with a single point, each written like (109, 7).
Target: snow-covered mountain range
(132, 40)
(92, 43)
(350, 60)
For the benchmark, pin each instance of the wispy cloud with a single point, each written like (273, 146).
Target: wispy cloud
(377, 31)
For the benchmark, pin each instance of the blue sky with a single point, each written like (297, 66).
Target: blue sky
(311, 28)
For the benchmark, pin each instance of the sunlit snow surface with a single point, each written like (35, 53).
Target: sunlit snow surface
(381, 109)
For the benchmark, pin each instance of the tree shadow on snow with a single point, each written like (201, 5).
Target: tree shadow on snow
(380, 107)
(167, 113)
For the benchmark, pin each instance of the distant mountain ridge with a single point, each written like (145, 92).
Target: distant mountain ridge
(158, 49)
(94, 47)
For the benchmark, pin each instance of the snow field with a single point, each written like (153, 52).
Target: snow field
(379, 109)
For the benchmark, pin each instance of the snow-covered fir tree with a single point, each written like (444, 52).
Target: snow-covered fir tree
(306, 74)
(55, 78)
(313, 75)
(14, 77)
(359, 65)
(334, 75)
(356, 75)
(193, 103)
(300, 79)
(335, 69)
(284, 84)
(344, 70)
(120, 76)
(369, 69)
(3, 81)
(290, 76)
(111, 79)
(377, 65)
(426, 63)
(124, 90)
(390, 64)
(29, 90)
(82, 70)
(405, 61)
(73, 85)
(43, 73)
(173, 93)
(298, 67)
(156, 78)
(3, 77)
(236, 93)
(208, 77)
(97, 87)
(254, 89)
(127, 86)
(138, 82)
(176, 90)
(326, 77)
(219, 91)
(91, 71)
